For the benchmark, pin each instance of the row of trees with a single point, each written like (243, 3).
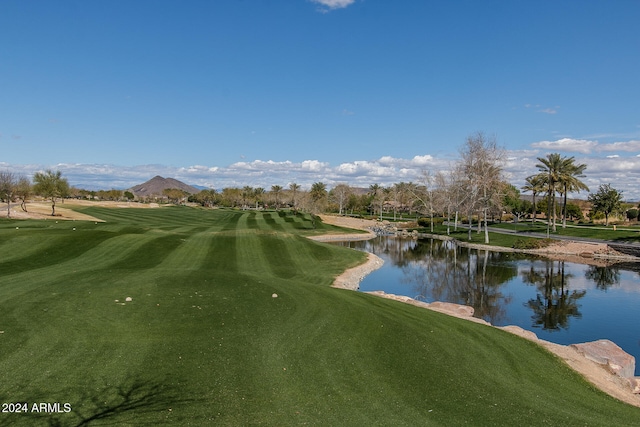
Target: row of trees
(559, 176)
(49, 184)
(474, 187)
(250, 197)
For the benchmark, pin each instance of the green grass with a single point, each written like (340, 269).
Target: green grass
(622, 234)
(203, 342)
(462, 234)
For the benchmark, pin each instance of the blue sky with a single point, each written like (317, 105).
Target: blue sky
(263, 92)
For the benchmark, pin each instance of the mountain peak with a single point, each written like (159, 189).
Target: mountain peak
(156, 185)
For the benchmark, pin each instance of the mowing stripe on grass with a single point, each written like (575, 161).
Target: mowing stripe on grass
(59, 246)
(278, 258)
(204, 342)
(222, 254)
(273, 221)
(192, 253)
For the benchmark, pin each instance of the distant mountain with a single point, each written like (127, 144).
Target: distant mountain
(156, 185)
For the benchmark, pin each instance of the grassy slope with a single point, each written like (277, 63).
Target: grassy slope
(204, 342)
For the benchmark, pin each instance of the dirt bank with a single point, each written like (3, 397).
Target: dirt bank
(42, 209)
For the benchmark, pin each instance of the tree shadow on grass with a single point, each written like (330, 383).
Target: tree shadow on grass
(135, 402)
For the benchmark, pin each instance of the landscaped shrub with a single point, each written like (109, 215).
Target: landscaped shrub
(532, 243)
(426, 222)
(632, 214)
(408, 225)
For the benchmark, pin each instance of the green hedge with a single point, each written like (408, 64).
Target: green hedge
(426, 222)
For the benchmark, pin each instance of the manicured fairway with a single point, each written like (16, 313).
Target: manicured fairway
(205, 342)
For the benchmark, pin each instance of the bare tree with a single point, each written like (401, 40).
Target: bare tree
(340, 194)
(481, 165)
(23, 191)
(424, 195)
(446, 195)
(8, 183)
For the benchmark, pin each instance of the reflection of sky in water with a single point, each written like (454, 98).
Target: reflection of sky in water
(424, 271)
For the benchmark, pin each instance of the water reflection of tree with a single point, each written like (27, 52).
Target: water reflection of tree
(604, 277)
(554, 305)
(393, 248)
(443, 271)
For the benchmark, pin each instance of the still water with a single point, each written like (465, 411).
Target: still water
(561, 302)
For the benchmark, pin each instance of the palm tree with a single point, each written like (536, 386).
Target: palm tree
(318, 199)
(535, 184)
(258, 193)
(276, 189)
(551, 167)
(294, 189)
(247, 193)
(318, 191)
(570, 182)
(374, 191)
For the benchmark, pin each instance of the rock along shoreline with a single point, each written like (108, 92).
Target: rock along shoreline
(602, 362)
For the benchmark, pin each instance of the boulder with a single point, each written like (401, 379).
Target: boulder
(607, 353)
(517, 330)
(453, 309)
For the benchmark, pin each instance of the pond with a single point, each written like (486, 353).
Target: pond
(561, 302)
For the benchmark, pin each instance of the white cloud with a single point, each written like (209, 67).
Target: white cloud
(567, 144)
(422, 160)
(199, 169)
(619, 170)
(416, 161)
(387, 160)
(545, 110)
(314, 165)
(628, 146)
(365, 168)
(549, 110)
(334, 4)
